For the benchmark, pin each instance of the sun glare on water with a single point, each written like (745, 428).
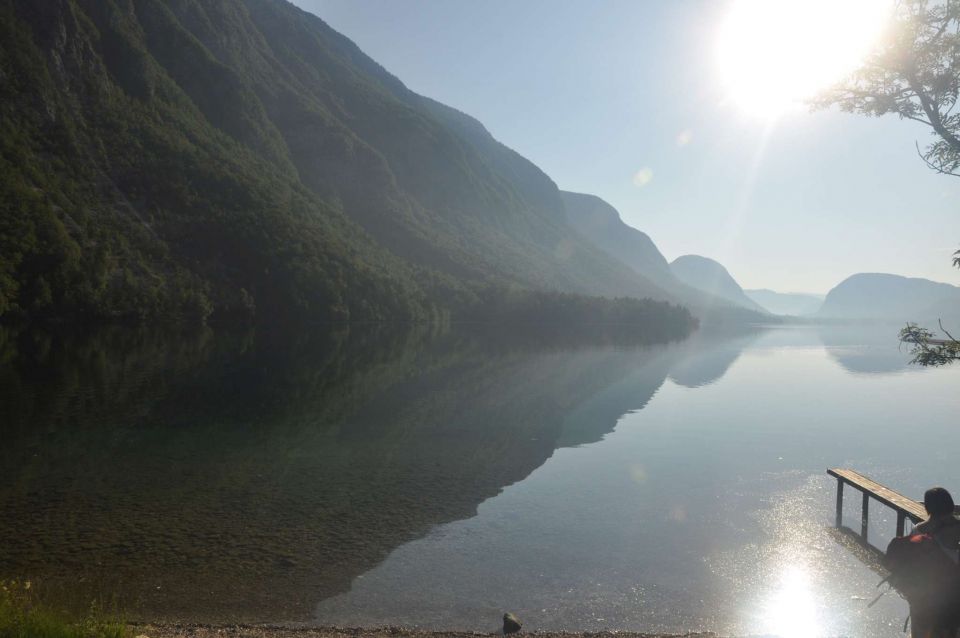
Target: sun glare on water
(791, 610)
(774, 54)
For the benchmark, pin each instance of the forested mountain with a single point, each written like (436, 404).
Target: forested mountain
(185, 157)
(711, 277)
(891, 297)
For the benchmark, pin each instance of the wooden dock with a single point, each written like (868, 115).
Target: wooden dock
(904, 507)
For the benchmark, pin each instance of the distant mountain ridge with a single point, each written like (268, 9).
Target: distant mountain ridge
(786, 303)
(711, 277)
(891, 297)
(600, 223)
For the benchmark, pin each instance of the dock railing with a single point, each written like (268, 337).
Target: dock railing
(904, 507)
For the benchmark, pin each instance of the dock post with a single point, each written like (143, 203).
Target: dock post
(864, 515)
(901, 522)
(839, 503)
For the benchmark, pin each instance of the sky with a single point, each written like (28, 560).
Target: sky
(623, 99)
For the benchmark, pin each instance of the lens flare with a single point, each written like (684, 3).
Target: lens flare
(774, 54)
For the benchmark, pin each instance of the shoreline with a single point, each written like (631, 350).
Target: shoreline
(197, 630)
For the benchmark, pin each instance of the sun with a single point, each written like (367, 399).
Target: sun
(774, 54)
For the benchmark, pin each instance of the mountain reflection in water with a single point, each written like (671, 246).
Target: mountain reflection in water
(375, 477)
(868, 351)
(244, 476)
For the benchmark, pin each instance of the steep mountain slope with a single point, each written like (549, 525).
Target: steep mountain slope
(600, 222)
(711, 277)
(786, 303)
(892, 297)
(473, 206)
(183, 156)
(123, 195)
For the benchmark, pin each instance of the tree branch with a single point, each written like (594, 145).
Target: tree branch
(933, 166)
(933, 115)
(951, 337)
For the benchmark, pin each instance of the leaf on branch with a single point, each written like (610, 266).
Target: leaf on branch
(926, 349)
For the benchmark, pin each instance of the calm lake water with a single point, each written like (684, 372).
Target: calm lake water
(439, 480)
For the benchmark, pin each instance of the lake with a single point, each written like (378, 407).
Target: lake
(440, 478)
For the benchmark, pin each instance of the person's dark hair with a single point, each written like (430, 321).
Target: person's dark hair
(937, 501)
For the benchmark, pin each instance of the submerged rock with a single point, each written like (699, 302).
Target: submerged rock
(511, 624)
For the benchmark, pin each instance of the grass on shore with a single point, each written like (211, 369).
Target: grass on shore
(24, 615)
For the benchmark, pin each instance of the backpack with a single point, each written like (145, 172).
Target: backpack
(922, 570)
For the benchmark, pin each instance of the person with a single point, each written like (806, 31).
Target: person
(938, 615)
(941, 518)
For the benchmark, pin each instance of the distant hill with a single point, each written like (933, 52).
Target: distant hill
(786, 303)
(192, 158)
(601, 224)
(891, 297)
(711, 277)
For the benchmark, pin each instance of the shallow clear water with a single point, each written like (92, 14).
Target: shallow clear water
(440, 480)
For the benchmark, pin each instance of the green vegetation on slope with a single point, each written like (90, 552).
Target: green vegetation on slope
(118, 198)
(182, 159)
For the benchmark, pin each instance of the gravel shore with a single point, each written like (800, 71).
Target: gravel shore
(266, 631)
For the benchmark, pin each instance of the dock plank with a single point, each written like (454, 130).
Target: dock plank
(911, 508)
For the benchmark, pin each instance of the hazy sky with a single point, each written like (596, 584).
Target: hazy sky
(622, 99)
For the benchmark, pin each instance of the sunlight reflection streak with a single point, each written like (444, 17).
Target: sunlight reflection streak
(735, 221)
(791, 611)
